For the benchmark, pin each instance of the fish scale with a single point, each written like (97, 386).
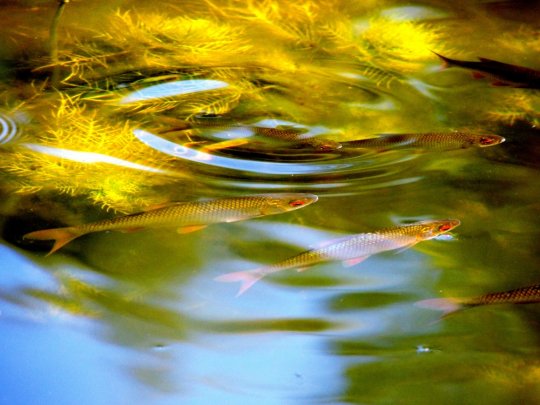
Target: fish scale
(524, 295)
(519, 295)
(432, 140)
(183, 214)
(354, 246)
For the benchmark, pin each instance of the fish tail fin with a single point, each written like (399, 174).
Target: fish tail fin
(446, 305)
(447, 62)
(61, 236)
(246, 278)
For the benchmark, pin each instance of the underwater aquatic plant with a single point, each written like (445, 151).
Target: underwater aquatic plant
(523, 41)
(129, 42)
(396, 46)
(292, 23)
(516, 106)
(69, 126)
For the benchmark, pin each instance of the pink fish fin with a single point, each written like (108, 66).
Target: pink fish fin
(247, 278)
(131, 230)
(355, 261)
(478, 75)
(446, 305)
(61, 236)
(189, 229)
(500, 83)
(302, 269)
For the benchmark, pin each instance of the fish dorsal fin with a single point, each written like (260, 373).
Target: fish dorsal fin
(493, 62)
(328, 242)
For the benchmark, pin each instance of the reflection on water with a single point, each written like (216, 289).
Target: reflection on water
(218, 99)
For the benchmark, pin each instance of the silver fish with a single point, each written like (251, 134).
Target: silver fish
(187, 216)
(350, 249)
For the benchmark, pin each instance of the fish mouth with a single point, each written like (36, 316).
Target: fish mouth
(301, 201)
(311, 198)
(287, 202)
(449, 224)
(491, 140)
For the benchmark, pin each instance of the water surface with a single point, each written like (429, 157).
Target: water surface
(141, 99)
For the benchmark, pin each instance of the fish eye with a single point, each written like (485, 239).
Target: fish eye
(445, 227)
(487, 140)
(296, 203)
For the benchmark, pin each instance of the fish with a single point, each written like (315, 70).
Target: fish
(293, 134)
(290, 135)
(436, 141)
(502, 74)
(186, 216)
(286, 133)
(351, 249)
(524, 295)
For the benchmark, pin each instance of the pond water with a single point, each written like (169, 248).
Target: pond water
(111, 108)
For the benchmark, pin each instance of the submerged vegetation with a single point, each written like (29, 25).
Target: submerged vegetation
(69, 128)
(277, 60)
(175, 116)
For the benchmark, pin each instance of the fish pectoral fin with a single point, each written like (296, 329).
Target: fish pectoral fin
(478, 75)
(302, 269)
(355, 261)
(189, 229)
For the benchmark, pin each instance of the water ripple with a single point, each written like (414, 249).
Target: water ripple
(336, 171)
(8, 129)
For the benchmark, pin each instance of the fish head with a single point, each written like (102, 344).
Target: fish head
(431, 229)
(483, 141)
(284, 202)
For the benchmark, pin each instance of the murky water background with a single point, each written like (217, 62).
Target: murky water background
(138, 318)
